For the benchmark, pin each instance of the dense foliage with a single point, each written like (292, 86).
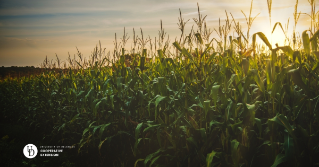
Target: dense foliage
(228, 106)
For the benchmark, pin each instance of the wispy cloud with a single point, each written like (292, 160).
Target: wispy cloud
(36, 28)
(194, 13)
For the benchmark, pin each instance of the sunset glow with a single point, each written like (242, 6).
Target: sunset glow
(32, 30)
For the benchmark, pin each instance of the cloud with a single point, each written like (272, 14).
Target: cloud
(194, 13)
(60, 25)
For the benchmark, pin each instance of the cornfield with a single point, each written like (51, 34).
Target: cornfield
(189, 103)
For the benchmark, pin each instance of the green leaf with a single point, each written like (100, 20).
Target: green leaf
(95, 128)
(161, 84)
(138, 130)
(82, 142)
(159, 98)
(89, 94)
(205, 51)
(234, 151)
(314, 43)
(119, 81)
(193, 122)
(206, 107)
(215, 89)
(137, 133)
(280, 27)
(150, 156)
(296, 78)
(258, 80)
(303, 131)
(236, 125)
(199, 38)
(78, 64)
(268, 74)
(276, 87)
(80, 93)
(306, 42)
(209, 158)
(160, 53)
(288, 146)
(103, 128)
(176, 44)
(231, 80)
(263, 37)
(61, 127)
(85, 130)
(103, 100)
(283, 121)
(229, 109)
(91, 123)
(203, 134)
(211, 57)
(192, 141)
(135, 164)
(234, 145)
(296, 54)
(151, 127)
(74, 118)
(280, 158)
(154, 160)
(136, 145)
(245, 65)
(185, 52)
(213, 122)
(252, 111)
(258, 123)
(171, 140)
(287, 50)
(315, 35)
(171, 61)
(101, 142)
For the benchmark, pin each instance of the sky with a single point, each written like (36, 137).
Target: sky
(33, 29)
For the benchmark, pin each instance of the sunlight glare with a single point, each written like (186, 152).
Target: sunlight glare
(277, 37)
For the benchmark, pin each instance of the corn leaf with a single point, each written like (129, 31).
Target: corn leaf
(280, 158)
(209, 158)
(306, 42)
(263, 37)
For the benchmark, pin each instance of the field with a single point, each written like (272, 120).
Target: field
(17, 72)
(193, 102)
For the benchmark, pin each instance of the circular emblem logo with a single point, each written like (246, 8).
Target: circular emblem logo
(30, 151)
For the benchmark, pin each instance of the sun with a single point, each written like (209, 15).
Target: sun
(277, 37)
(274, 37)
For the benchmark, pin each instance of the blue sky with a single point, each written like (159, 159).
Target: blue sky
(33, 29)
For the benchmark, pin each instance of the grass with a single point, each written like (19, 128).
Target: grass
(195, 102)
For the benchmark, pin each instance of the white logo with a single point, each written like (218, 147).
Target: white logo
(30, 151)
